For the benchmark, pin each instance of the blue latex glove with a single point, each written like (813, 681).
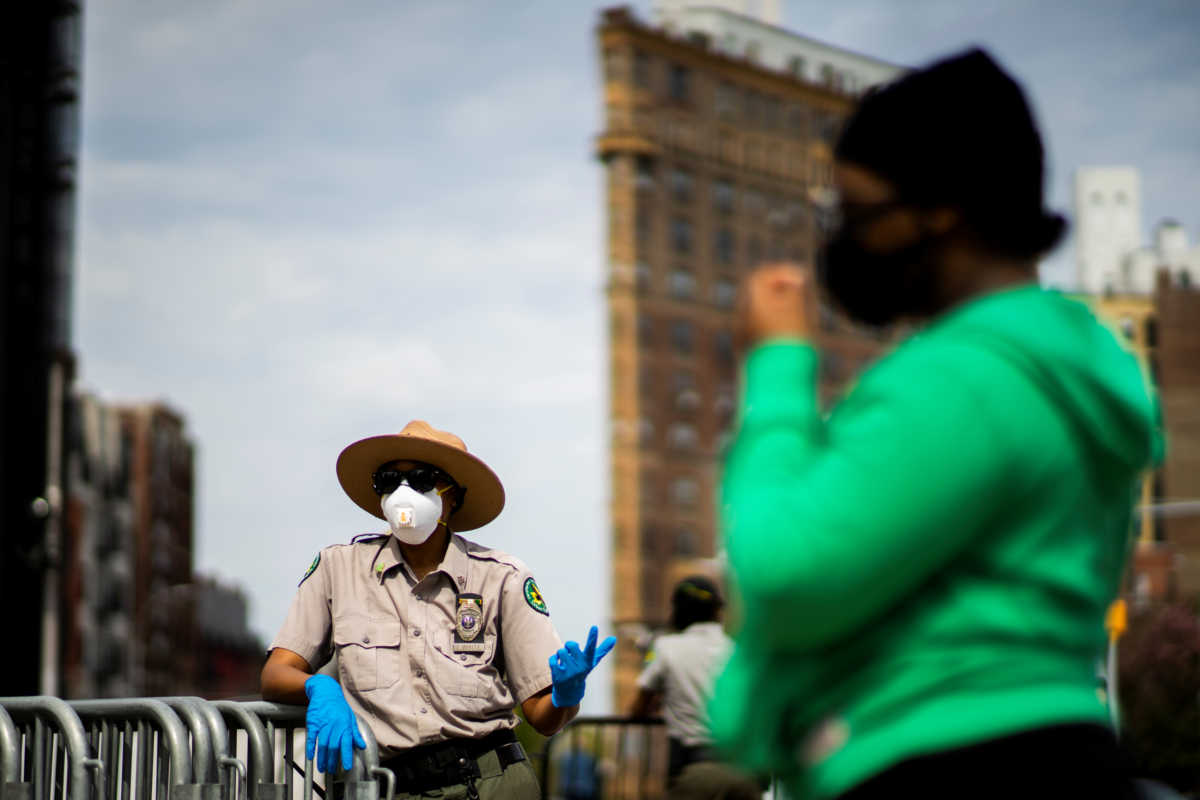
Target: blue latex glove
(569, 668)
(330, 724)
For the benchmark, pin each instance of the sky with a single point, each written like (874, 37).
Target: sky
(303, 223)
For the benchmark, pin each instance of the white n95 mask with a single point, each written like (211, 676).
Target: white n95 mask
(412, 516)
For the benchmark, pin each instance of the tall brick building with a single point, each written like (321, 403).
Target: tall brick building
(717, 132)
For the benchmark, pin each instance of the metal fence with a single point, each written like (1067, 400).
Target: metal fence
(168, 748)
(188, 748)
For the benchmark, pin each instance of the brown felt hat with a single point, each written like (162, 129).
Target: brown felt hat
(419, 441)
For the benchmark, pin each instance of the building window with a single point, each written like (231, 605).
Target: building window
(683, 436)
(754, 251)
(724, 347)
(642, 276)
(725, 100)
(755, 202)
(681, 185)
(753, 107)
(798, 121)
(723, 196)
(683, 389)
(644, 222)
(645, 432)
(681, 235)
(684, 492)
(753, 52)
(645, 329)
(686, 543)
(683, 284)
(645, 172)
(682, 336)
(1151, 326)
(796, 66)
(679, 85)
(724, 293)
(828, 75)
(770, 113)
(723, 246)
(641, 70)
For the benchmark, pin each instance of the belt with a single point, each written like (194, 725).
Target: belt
(450, 762)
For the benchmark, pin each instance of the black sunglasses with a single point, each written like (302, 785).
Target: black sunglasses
(420, 479)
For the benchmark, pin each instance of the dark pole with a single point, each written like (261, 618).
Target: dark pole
(40, 63)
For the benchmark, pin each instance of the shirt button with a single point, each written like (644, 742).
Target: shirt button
(366, 640)
(424, 710)
(416, 631)
(464, 658)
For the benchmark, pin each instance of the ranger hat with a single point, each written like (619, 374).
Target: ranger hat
(483, 496)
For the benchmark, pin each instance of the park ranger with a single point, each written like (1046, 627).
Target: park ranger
(437, 638)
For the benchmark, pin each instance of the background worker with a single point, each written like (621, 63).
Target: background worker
(678, 677)
(437, 638)
(924, 570)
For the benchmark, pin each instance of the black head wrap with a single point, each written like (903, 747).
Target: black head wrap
(959, 133)
(695, 599)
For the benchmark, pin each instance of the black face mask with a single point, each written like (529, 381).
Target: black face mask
(878, 288)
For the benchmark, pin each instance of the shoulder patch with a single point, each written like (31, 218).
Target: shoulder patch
(311, 568)
(533, 596)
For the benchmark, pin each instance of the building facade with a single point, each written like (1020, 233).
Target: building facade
(712, 153)
(1108, 228)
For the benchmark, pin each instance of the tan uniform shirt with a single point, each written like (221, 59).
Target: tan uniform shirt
(399, 664)
(683, 668)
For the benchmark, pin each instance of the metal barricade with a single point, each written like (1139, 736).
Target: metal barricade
(284, 725)
(10, 755)
(47, 755)
(259, 759)
(144, 745)
(626, 757)
(209, 738)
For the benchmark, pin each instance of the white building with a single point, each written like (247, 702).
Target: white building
(750, 29)
(1108, 228)
(1170, 250)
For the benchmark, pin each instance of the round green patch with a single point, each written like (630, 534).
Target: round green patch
(311, 568)
(533, 596)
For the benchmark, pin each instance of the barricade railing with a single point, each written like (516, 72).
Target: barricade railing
(624, 758)
(53, 759)
(10, 755)
(285, 729)
(220, 774)
(144, 746)
(169, 748)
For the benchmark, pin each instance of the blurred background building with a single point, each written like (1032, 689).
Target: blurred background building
(1150, 293)
(718, 129)
(136, 618)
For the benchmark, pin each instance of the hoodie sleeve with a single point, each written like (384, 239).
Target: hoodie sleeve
(830, 522)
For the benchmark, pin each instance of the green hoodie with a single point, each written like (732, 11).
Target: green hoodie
(929, 566)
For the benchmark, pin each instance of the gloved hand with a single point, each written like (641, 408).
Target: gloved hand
(569, 668)
(331, 724)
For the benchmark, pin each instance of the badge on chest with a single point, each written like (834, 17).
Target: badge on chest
(468, 624)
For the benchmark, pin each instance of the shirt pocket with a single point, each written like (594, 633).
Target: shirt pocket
(368, 651)
(467, 674)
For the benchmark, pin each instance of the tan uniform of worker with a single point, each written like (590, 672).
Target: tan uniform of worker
(401, 667)
(394, 638)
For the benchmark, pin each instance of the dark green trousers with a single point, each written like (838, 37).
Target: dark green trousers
(517, 782)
